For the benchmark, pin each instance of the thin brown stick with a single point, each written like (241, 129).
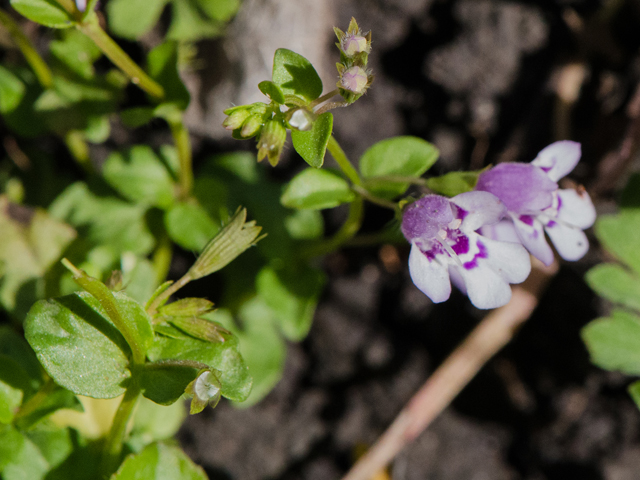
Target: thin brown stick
(493, 333)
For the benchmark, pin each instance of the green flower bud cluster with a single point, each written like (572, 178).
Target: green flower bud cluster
(355, 46)
(246, 121)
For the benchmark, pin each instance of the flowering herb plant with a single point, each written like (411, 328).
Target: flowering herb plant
(102, 327)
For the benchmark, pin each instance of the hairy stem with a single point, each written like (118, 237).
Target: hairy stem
(167, 293)
(343, 162)
(323, 98)
(493, 333)
(112, 50)
(113, 445)
(33, 58)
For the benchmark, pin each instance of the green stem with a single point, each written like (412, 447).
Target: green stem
(346, 232)
(151, 310)
(33, 58)
(34, 402)
(323, 98)
(112, 50)
(161, 259)
(113, 445)
(183, 145)
(396, 179)
(364, 193)
(343, 162)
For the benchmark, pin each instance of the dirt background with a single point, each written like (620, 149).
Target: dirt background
(486, 81)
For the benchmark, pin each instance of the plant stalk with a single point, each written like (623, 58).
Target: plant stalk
(113, 445)
(183, 145)
(343, 162)
(33, 58)
(167, 293)
(112, 50)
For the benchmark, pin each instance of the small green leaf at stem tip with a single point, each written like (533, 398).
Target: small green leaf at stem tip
(453, 183)
(165, 382)
(295, 75)
(316, 190)
(311, 145)
(271, 90)
(231, 241)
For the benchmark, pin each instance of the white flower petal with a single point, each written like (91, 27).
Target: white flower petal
(486, 288)
(430, 276)
(570, 242)
(503, 231)
(559, 158)
(510, 260)
(576, 209)
(479, 208)
(532, 236)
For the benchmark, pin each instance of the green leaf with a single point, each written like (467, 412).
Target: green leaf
(12, 91)
(105, 220)
(241, 164)
(31, 242)
(187, 307)
(453, 183)
(292, 294)
(131, 19)
(312, 144)
(614, 342)
(271, 90)
(78, 345)
(140, 176)
(399, 156)
(305, 225)
(222, 356)
(13, 383)
(164, 383)
(54, 443)
(295, 75)
(20, 459)
(261, 345)
(616, 284)
(137, 116)
(619, 235)
(15, 347)
(45, 12)
(159, 462)
(189, 25)
(220, 10)
(76, 52)
(162, 64)
(634, 391)
(316, 189)
(58, 398)
(189, 225)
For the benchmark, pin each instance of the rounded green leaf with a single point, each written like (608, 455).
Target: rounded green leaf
(316, 189)
(619, 235)
(453, 183)
(220, 10)
(165, 383)
(78, 345)
(140, 176)
(271, 90)
(189, 25)
(190, 226)
(45, 12)
(295, 75)
(398, 156)
(11, 91)
(614, 342)
(159, 462)
(162, 64)
(133, 18)
(312, 144)
(616, 284)
(222, 356)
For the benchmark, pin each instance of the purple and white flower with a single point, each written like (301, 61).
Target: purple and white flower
(536, 205)
(445, 247)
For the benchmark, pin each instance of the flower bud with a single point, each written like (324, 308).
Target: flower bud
(354, 79)
(302, 119)
(235, 119)
(251, 126)
(353, 44)
(206, 390)
(271, 141)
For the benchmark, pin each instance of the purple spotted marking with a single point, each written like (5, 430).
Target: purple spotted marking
(559, 202)
(527, 219)
(482, 253)
(460, 213)
(551, 224)
(461, 246)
